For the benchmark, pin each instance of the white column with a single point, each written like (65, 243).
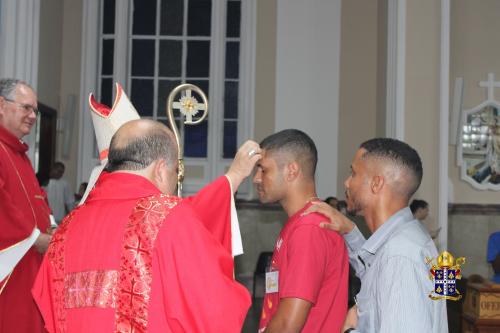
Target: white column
(19, 32)
(121, 44)
(88, 84)
(307, 78)
(444, 124)
(396, 53)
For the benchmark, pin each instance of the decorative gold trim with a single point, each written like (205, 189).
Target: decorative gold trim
(6, 280)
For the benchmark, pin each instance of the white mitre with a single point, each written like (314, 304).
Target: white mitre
(106, 122)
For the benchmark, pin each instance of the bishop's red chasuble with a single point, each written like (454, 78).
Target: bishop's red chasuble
(133, 260)
(22, 208)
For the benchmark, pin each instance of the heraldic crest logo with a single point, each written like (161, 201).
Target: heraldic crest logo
(445, 271)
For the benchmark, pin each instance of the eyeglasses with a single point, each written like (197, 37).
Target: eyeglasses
(28, 108)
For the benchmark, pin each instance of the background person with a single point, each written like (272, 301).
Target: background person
(419, 209)
(61, 198)
(493, 255)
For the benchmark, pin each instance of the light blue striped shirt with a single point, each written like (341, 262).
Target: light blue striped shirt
(395, 281)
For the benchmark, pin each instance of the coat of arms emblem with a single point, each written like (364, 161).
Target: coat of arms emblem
(445, 271)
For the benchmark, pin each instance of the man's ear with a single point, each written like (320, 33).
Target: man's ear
(377, 183)
(160, 171)
(2, 103)
(292, 170)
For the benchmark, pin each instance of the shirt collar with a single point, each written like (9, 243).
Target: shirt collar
(380, 236)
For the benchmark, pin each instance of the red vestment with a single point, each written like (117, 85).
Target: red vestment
(22, 208)
(132, 258)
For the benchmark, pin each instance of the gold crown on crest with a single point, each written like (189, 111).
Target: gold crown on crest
(445, 259)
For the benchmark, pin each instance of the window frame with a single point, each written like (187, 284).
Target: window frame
(214, 165)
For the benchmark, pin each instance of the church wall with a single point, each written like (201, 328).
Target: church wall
(422, 95)
(59, 72)
(475, 51)
(382, 17)
(70, 83)
(260, 227)
(307, 78)
(358, 82)
(49, 53)
(265, 69)
(468, 237)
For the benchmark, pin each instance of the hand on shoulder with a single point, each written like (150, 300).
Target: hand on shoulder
(337, 221)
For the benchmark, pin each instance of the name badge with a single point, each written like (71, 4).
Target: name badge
(272, 282)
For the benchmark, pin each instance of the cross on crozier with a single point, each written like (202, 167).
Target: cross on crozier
(188, 106)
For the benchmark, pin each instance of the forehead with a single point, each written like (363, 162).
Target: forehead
(358, 157)
(24, 92)
(268, 159)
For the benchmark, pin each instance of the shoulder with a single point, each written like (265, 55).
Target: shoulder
(169, 209)
(495, 237)
(308, 226)
(159, 205)
(410, 241)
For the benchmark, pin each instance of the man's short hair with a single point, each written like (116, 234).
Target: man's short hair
(138, 152)
(8, 86)
(58, 165)
(296, 144)
(417, 204)
(401, 156)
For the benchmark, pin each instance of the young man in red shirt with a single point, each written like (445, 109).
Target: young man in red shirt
(306, 288)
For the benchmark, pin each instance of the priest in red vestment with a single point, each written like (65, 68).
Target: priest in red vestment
(135, 258)
(24, 213)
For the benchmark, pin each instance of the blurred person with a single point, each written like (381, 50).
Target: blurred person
(61, 199)
(81, 191)
(342, 207)
(419, 209)
(493, 255)
(332, 201)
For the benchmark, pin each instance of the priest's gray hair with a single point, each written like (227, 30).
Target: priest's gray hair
(8, 87)
(137, 149)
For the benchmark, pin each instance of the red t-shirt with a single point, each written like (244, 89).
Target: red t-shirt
(312, 264)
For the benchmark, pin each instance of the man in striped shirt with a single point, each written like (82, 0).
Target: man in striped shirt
(391, 264)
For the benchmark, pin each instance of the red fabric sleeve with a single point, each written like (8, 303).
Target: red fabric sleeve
(11, 214)
(212, 205)
(198, 289)
(306, 263)
(42, 294)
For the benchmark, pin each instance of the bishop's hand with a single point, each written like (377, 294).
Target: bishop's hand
(244, 161)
